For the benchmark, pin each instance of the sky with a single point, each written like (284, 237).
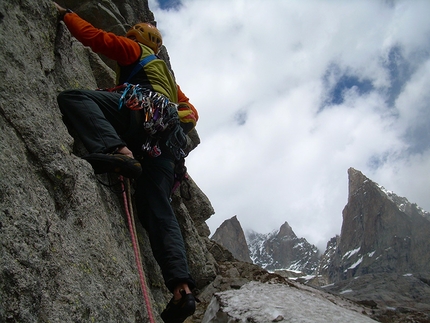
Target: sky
(291, 94)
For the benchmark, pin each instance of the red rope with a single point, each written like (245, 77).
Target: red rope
(136, 250)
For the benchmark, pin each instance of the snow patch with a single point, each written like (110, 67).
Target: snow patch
(402, 203)
(258, 302)
(350, 253)
(354, 265)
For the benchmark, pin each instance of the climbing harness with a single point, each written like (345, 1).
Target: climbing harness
(132, 227)
(160, 119)
(160, 116)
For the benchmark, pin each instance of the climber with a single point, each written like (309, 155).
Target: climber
(117, 139)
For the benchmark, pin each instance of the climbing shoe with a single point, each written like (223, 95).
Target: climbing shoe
(114, 163)
(177, 311)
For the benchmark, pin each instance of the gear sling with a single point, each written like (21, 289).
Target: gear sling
(159, 115)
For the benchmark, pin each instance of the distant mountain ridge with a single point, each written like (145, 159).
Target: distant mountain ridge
(282, 249)
(374, 219)
(380, 258)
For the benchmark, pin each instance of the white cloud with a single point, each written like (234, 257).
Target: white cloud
(267, 62)
(414, 102)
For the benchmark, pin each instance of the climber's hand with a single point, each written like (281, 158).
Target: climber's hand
(62, 11)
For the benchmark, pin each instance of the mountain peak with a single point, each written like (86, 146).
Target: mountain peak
(381, 232)
(282, 249)
(356, 181)
(230, 235)
(285, 231)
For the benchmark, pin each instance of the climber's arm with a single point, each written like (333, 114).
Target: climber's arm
(187, 112)
(121, 49)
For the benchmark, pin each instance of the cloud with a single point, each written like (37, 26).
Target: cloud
(293, 93)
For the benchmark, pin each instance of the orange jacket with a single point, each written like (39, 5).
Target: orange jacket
(121, 49)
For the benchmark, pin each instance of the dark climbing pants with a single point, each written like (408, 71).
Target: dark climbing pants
(156, 215)
(94, 115)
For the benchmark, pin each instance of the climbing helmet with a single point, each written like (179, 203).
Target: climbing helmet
(146, 34)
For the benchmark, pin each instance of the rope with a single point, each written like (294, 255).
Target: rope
(132, 227)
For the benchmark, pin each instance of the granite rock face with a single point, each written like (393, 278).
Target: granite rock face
(65, 248)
